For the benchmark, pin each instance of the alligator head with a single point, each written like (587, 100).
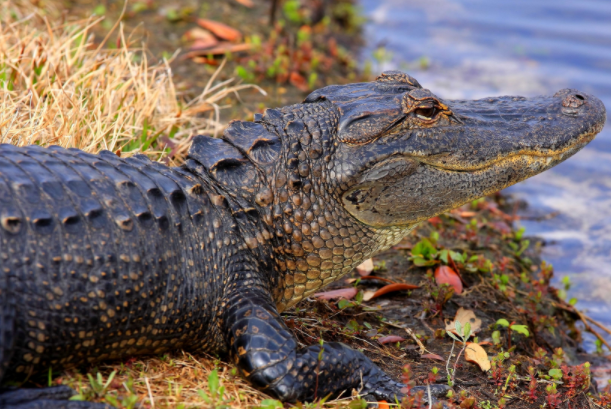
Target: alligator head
(409, 155)
(355, 167)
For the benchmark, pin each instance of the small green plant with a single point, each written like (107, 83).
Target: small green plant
(270, 404)
(216, 394)
(462, 335)
(520, 329)
(519, 246)
(424, 253)
(358, 300)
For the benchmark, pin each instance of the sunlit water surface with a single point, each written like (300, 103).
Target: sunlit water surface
(479, 48)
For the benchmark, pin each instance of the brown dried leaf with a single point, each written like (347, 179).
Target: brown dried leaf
(463, 316)
(346, 293)
(365, 268)
(476, 354)
(368, 295)
(222, 31)
(197, 33)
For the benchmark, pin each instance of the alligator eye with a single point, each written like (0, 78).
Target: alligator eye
(426, 113)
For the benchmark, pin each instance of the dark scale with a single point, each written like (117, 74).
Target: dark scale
(105, 258)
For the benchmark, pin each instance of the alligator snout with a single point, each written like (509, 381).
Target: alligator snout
(580, 104)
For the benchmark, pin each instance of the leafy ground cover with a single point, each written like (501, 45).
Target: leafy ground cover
(463, 300)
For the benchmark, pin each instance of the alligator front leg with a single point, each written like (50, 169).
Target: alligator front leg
(266, 353)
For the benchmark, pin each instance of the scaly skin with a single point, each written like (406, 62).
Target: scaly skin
(104, 258)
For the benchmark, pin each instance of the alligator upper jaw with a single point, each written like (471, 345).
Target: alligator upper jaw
(550, 156)
(495, 129)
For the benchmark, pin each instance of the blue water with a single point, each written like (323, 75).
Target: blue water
(478, 48)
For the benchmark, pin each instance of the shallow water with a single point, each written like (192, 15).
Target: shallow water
(478, 48)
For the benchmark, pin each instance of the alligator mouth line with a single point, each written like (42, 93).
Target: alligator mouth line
(578, 144)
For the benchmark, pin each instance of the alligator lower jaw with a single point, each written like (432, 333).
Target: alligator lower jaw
(535, 157)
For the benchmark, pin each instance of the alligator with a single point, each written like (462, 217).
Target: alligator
(104, 257)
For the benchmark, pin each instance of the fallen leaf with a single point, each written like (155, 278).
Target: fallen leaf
(389, 339)
(382, 404)
(222, 31)
(203, 44)
(221, 48)
(365, 268)
(346, 293)
(433, 356)
(197, 33)
(474, 353)
(435, 220)
(463, 316)
(368, 295)
(445, 275)
(246, 3)
(205, 60)
(352, 280)
(467, 214)
(298, 81)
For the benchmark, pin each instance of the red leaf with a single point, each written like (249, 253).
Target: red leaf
(389, 339)
(346, 293)
(445, 275)
(222, 48)
(435, 220)
(246, 3)
(222, 31)
(298, 81)
(389, 289)
(432, 356)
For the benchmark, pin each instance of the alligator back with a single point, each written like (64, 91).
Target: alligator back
(98, 255)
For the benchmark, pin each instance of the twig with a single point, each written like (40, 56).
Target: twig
(148, 386)
(456, 362)
(584, 318)
(415, 338)
(428, 390)
(449, 359)
(598, 324)
(427, 326)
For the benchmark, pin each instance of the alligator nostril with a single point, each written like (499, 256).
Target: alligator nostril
(573, 101)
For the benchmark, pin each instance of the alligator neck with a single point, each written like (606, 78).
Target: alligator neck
(273, 174)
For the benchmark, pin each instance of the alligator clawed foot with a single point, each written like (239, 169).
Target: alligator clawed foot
(55, 397)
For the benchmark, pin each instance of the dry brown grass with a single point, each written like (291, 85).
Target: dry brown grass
(174, 381)
(57, 87)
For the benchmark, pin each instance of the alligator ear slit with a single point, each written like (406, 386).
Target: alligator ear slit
(261, 143)
(228, 163)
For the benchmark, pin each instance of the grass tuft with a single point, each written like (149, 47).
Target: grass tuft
(58, 87)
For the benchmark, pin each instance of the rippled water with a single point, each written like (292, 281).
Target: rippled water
(477, 48)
